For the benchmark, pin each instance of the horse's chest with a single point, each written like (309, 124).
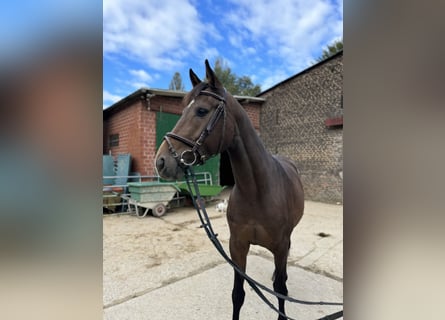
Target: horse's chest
(246, 206)
(256, 224)
(251, 232)
(260, 235)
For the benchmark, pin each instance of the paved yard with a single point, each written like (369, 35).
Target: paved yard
(157, 268)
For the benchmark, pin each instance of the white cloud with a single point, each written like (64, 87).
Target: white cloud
(109, 98)
(211, 53)
(157, 33)
(274, 78)
(141, 75)
(139, 78)
(236, 40)
(250, 50)
(292, 30)
(269, 40)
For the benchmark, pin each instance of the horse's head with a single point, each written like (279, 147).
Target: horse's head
(203, 130)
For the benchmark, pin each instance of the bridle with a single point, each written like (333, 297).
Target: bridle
(196, 154)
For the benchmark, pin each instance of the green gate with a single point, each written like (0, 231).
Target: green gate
(165, 122)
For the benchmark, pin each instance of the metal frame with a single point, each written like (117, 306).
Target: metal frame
(126, 198)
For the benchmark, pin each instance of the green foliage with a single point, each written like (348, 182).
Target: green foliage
(246, 87)
(331, 49)
(176, 83)
(242, 86)
(236, 85)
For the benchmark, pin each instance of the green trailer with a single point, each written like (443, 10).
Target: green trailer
(152, 196)
(205, 190)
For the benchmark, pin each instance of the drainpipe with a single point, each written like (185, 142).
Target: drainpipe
(146, 96)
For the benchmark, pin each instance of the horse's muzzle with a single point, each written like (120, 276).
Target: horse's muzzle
(167, 167)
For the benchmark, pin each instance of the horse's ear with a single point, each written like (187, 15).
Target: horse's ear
(194, 78)
(211, 77)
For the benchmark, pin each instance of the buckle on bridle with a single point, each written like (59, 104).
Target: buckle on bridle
(184, 161)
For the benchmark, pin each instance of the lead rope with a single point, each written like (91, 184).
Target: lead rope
(256, 286)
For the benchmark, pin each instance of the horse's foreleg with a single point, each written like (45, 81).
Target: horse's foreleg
(238, 253)
(279, 283)
(237, 295)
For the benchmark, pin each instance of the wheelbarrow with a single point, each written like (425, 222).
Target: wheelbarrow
(151, 196)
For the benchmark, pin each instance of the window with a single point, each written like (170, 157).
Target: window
(113, 140)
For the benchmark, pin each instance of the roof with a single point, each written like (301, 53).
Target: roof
(146, 94)
(303, 72)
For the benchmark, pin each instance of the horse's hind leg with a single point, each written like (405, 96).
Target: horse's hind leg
(238, 252)
(279, 284)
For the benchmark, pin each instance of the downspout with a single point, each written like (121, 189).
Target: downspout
(146, 96)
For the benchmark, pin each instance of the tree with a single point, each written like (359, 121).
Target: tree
(331, 49)
(246, 87)
(176, 83)
(236, 85)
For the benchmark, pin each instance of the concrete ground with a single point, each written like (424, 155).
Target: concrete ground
(166, 268)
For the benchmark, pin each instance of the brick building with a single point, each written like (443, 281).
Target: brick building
(302, 118)
(137, 123)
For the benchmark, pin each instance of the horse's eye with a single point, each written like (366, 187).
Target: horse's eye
(201, 112)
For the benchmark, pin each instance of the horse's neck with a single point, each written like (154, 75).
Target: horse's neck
(249, 158)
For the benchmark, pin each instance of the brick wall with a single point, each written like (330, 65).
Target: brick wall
(166, 104)
(253, 111)
(135, 126)
(293, 124)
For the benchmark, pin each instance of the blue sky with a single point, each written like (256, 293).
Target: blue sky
(146, 42)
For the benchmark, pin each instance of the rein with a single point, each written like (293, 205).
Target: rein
(256, 286)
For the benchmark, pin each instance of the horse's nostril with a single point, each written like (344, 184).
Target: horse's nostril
(160, 163)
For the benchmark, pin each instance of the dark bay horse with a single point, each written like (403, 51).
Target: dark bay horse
(267, 199)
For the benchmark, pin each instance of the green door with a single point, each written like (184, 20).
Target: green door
(165, 122)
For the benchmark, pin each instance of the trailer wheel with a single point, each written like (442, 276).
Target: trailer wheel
(159, 210)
